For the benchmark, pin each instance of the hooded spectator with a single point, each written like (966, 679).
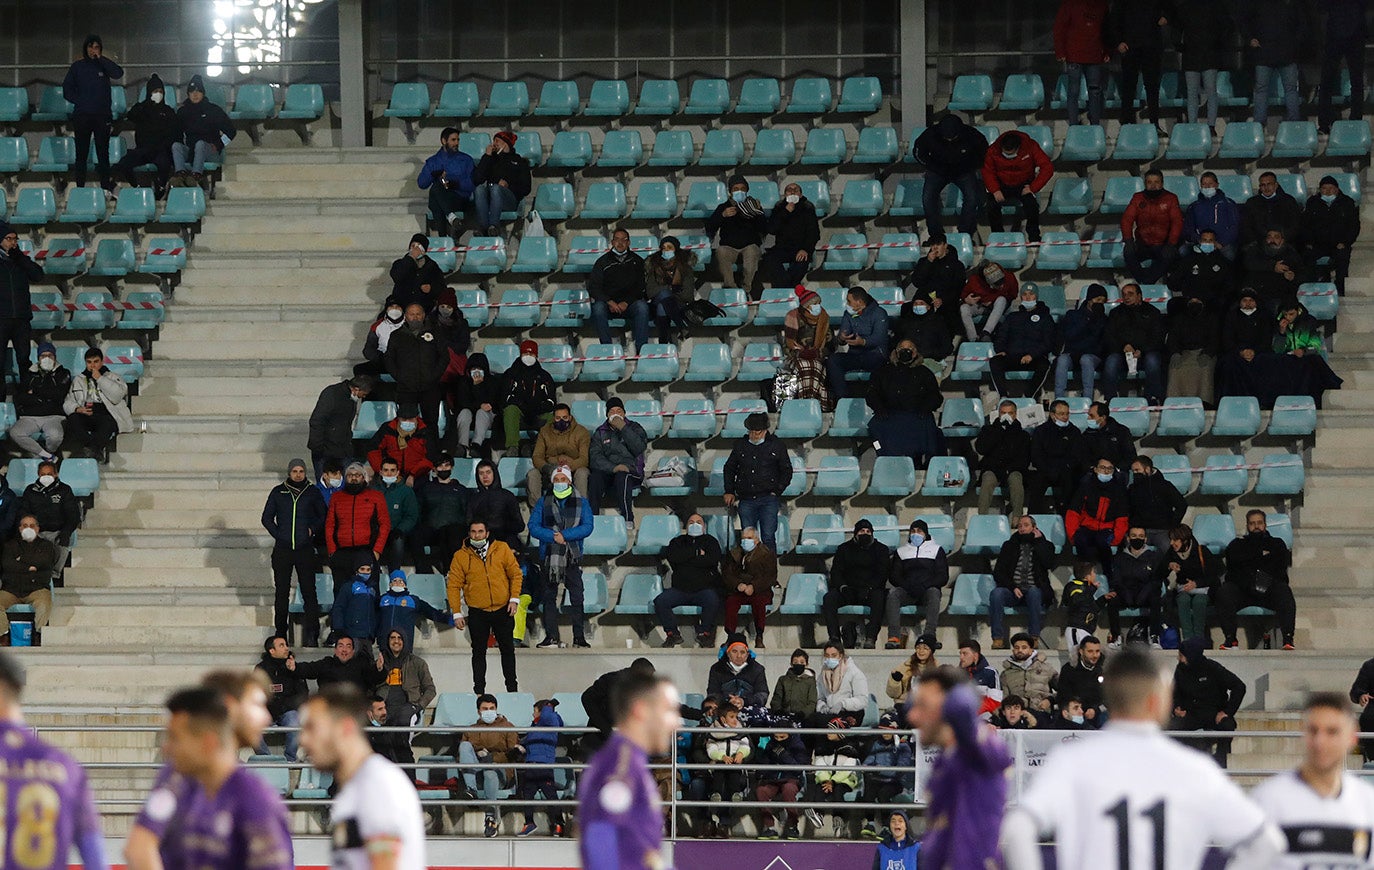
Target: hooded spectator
(796, 231)
(477, 400)
(447, 175)
(416, 278)
(1327, 230)
(495, 506)
(443, 517)
(500, 180)
(952, 152)
(1084, 331)
(1015, 169)
(355, 608)
(156, 128)
(1247, 338)
(1207, 697)
(939, 278)
(1024, 342)
(529, 395)
(87, 87)
(1300, 348)
(1156, 505)
(541, 747)
(925, 327)
(741, 225)
(409, 685)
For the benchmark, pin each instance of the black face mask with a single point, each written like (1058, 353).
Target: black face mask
(1137, 543)
(443, 473)
(864, 539)
(797, 670)
(1154, 194)
(354, 488)
(905, 357)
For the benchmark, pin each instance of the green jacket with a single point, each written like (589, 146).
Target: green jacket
(795, 696)
(1302, 335)
(401, 505)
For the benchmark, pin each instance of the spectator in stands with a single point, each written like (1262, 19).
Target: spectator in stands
(973, 663)
(694, 560)
(409, 441)
(540, 747)
(837, 755)
(484, 583)
(900, 681)
(1055, 448)
(26, 577)
(670, 283)
(1081, 680)
(96, 404)
(1205, 271)
(415, 278)
(939, 277)
(1152, 225)
(904, 395)
(562, 442)
(1081, 606)
(529, 395)
(806, 345)
(1345, 35)
(1081, 44)
(1213, 210)
(1155, 503)
(9, 508)
(491, 740)
(617, 289)
(794, 694)
(331, 480)
(416, 358)
(443, 517)
(1015, 169)
(1205, 30)
(561, 521)
(39, 406)
(1273, 269)
(288, 691)
(783, 757)
(1022, 574)
(402, 508)
(1024, 342)
(1189, 573)
(156, 127)
(1098, 515)
(920, 323)
(451, 329)
(1135, 30)
(496, 507)
(399, 609)
(409, 685)
(749, 572)
(1327, 230)
(1136, 582)
(757, 472)
(1004, 451)
(379, 339)
(345, 666)
(1247, 338)
(1013, 715)
(858, 577)
(1273, 208)
(17, 271)
(447, 175)
(1361, 693)
(1026, 674)
(796, 231)
(87, 87)
(391, 745)
(727, 748)
(987, 295)
(1256, 576)
(1135, 329)
(1301, 350)
(55, 506)
(864, 329)
(501, 179)
(356, 526)
(294, 517)
(951, 152)
(841, 688)
(1274, 31)
(1084, 333)
(616, 460)
(919, 571)
(477, 399)
(737, 677)
(331, 423)
(883, 786)
(354, 613)
(1104, 438)
(206, 132)
(1207, 697)
(741, 225)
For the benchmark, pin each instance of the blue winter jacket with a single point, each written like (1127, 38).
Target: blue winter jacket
(355, 610)
(87, 85)
(871, 326)
(893, 753)
(541, 746)
(458, 166)
(1220, 213)
(893, 855)
(399, 611)
(541, 527)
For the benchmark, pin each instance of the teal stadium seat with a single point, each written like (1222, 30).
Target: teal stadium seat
(693, 424)
(839, 259)
(253, 102)
(892, 476)
(1226, 92)
(371, 416)
(1320, 298)
(708, 97)
(14, 154)
(970, 595)
(1295, 184)
(1237, 417)
(609, 98)
(1136, 142)
(1107, 250)
(961, 418)
(1349, 183)
(647, 413)
(702, 199)
(1185, 187)
(810, 96)
(1237, 187)
(736, 412)
(502, 355)
(773, 147)
(825, 146)
(475, 307)
(457, 100)
(986, 534)
(1348, 139)
(515, 309)
(442, 253)
(1022, 92)
(621, 148)
(733, 302)
(559, 99)
(709, 363)
(1052, 527)
(1119, 191)
(955, 468)
(185, 205)
(595, 599)
(578, 263)
(1182, 416)
(1295, 139)
(909, 156)
(673, 149)
(91, 311)
(555, 200)
(55, 154)
(114, 258)
(722, 148)
(774, 305)
(277, 778)
(877, 145)
(861, 198)
(48, 311)
(572, 149)
(1281, 527)
(1084, 144)
(14, 104)
(658, 98)
(570, 307)
(1177, 469)
(1293, 416)
(761, 360)
(164, 255)
(803, 594)
(1280, 474)
(1243, 140)
(82, 475)
(302, 103)
(588, 411)
(1219, 478)
(1214, 531)
(821, 534)
(85, 205)
(66, 256)
(838, 477)
(536, 255)
(1190, 142)
(508, 100)
(819, 194)
(409, 101)
(484, 262)
(455, 709)
(148, 312)
(1060, 252)
(118, 148)
(1041, 135)
(1011, 251)
(558, 361)
(513, 471)
(941, 529)
(906, 199)
(605, 201)
(759, 97)
(900, 252)
(971, 93)
(608, 537)
(655, 200)
(52, 108)
(135, 205)
(971, 361)
(651, 369)
(861, 95)
(800, 418)
(324, 592)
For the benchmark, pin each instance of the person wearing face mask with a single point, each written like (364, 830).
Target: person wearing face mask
(407, 440)
(1299, 360)
(87, 87)
(1270, 208)
(561, 442)
(357, 525)
(26, 576)
(738, 676)
(841, 687)
(294, 517)
(670, 283)
(1155, 504)
(443, 517)
(1205, 271)
(1213, 210)
(40, 406)
(1055, 447)
(806, 346)
(858, 577)
(920, 322)
(616, 286)
(987, 295)
(1084, 333)
(484, 584)
(749, 572)
(451, 328)
(939, 278)
(331, 421)
(17, 272)
(952, 152)
(738, 226)
(1247, 339)
(1025, 342)
(1004, 460)
(206, 132)
(864, 330)
(496, 506)
(417, 359)
(616, 460)
(1104, 438)
(1022, 573)
(529, 397)
(561, 521)
(399, 610)
(794, 694)
(694, 580)
(354, 613)
(1152, 226)
(501, 179)
(415, 278)
(1194, 334)
(1327, 230)
(1136, 583)
(388, 321)
(1273, 269)
(57, 510)
(477, 400)
(1098, 515)
(1015, 169)
(97, 406)
(920, 569)
(330, 482)
(447, 175)
(757, 472)
(796, 230)
(1135, 329)
(155, 129)
(1257, 566)
(402, 507)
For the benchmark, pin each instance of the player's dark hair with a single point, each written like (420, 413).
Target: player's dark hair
(641, 665)
(12, 673)
(973, 644)
(630, 690)
(344, 701)
(1130, 674)
(486, 699)
(945, 676)
(235, 684)
(1326, 701)
(203, 706)
(272, 641)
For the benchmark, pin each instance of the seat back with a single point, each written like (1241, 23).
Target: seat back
(608, 98)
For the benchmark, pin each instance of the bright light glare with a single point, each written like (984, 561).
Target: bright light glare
(253, 32)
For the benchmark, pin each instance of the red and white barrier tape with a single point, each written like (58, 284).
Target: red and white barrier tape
(96, 306)
(565, 359)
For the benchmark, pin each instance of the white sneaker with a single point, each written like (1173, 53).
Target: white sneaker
(1114, 644)
(814, 818)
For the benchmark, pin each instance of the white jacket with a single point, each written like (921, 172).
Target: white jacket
(110, 390)
(852, 696)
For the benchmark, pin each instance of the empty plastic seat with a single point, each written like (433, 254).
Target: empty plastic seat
(621, 148)
(1237, 416)
(761, 360)
(971, 361)
(1349, 183)
(818, 192)
(1295, 185)
(986, 534)
(861, 198)
(733, 302)
(946, 477)
(458, 100)
(253, 102)
(1295, 139)
(702, 198)
(1022, 92)
(409, 100)
(1293, 415)
(850, 419)
(1107, 251)
(839, 475)
(85, 205)
(114, 258)
(1007, 250)
(66, 256)
(1189, 142)
(647, 413)
(693, 419)
(899, 252)
(825, 146)
(708, 97)
(608, 537)
(971, 594)
(519, 308)
(839, 258)
(759, 97)
(536, 255)
(709, 363)
(961, 418)
(906, 199)
(185, 205)
(1182, 416)
(558, 99)
(475, 307)
(1280, 474)
(1243, 140)
(658, 97)
(1185, 187)
(1237, 187)
(1136, 142)
(804, 592)
(608, 98)
(14, 153)
(877, 145)
(673, 149)
(1320, 298)
(892, 476)
(302, 103)
(48, 310)
(52, 107)
(605, 201)
(93, 310)
(135, 205)
(555, 200)
(583, 253)
(773, 147)
(971, 93)
(14, 104)
(55, 154)
(1119, 191)
(508, 100)
(1084, 144)
(484, 262)
(655, 531)
(800, 418)
(1348, 139)
(722, 148)
(1041, 135)
(637, 594)
(1222, 477)
(1059, 251)
(612, 368)
(655, 200)
(860, 95)
(810, 96)
(572, 149)
(657, 364)
(1214, 531)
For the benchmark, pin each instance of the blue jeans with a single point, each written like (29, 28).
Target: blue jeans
(707, 599)
(856, 360)
(1151, 365)
(289, 719)
(1002, 598)
(970, 184)
(184, 160)
(637, 315)
(492, 199)
(1095, 73)
(1088, 365)
(1206, 81)
(761, 513)
(492, 780)
(1264, 76)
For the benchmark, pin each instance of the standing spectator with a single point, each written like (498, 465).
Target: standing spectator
(451, 328)
(794, 694)
(783, 758)
(40, 406)
(156, 128)
(616, 458)
(1256, 576)
(562, 442)
(294, 517)
(87, 88)
(1273, 269)
(883, 786)
(1135, 29)
(1081, 679)
(694, 563)
(1004, 450)
(1081, 606)
(496, 507)
(919, 323)
(908, 673)
(1207, 697)
(1156, 505)
(1213, 210)
(1275, 31)
(1025, 342)
(447, 175)
(1022, 574)
(1273, 208)
(737, 677)
(30, 562)
(1361, 693)
(670, 284)
(952, 153)
(561, 521)
(1189, 573)
(17, 271)
(477, 399)
(354, 613)
(331, 423)
(379, 339)
(741, 225)
(1080, 43)
(841, 688)
(1136, 571)
(919, 571)
(1084, 331)
(484, 588)
(1055, 448)
(1015, 169)
(617, 289)
(1247, 338)
(749, 572)
(406, 440)
(1026, 674)
(416, 278)
(1328, 228)
(858, 576)
(288, 691)
(796, 231)
(529, 395)
(55, 506)
(1098, 515)
(1152, 225)
(402, 508)
(398, 610)
(97, 406)
(1206, 31)
(541, 747)
(806, 347)
(1345, 35)
(206, 132)
(1135, 329)
(357, 525)
(408, 684)
(987, 294)
(501, 179)
(344, 666)
(904, 395)
(1104, 438)
(757, 471)
(939, 277)
(1205, 271)
(443, 517)
(417, 359)
(864, 330)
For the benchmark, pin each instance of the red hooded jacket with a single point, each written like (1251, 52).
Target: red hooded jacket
(1030, 167)
(1153, 220)
(360, 520)
(414, 458)
(1079, 31)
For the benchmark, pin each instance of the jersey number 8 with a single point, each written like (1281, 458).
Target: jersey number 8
(34, 830)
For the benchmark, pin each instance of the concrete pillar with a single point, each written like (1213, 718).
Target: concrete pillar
(352, 76)
(912, 24)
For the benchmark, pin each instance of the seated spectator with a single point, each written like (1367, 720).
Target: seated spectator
(501, 179)
(407, 440)
(1273, 269)
(1004, 460)
(939, 277)
(805, 347)
(356, 525)
(415, 278)
(1205, 272)
(1273, 208)
(1081, 606)
(1327, 230)
(541, 747)
(331, 423)
(900, 681)
(476, 396)
(1071, 717)
(18, 271)
(1024, 343)
(616, 286)
(782, 758)
(1247, 338)
(1155, 504)
(1193, 337)
(919, 571)
(561, 442)
(796, 231)
(391, 745)
(389, 319)
(26, 577)
(883, 786)
(417, 360)
(156, 128)
(899, 848)
(795, 694)
(838, 755)
(1256, 576)
(904, 395)
(206, 131)
(399, 609)
(1055, 448)
(409, 686)
(694, 581)
(1189, 573)
(1080, 680)
(1213, 211)
(737, 677)
(921, 324)
(1300, 362)
(496, 507)
(344, 666)
(841, 688)
(490, 742)
(616, 460)
(288, 691)
(951, 152)
(1273, 30)
(1361, 693)
(53, 504)
(1015, 169)
(749, 573)
(561, 522)
(1098, 515)
(1136, 574)
(529, 395)
(443, 518)
(1084, 332)
(1134, 342)
(1013, 715)
(97, 406)
(670, 283)
(987, 294)
(757, 472)
(354, 613)
(1022, 574)
(858, 577)
(973, 663)
(1207, 697)
(403, 509)
(1151, 225)
(447, 175)
(741, 225)
(39, 405)
(1026, 674)
(483, 585)
(725, 749)
(863, 329)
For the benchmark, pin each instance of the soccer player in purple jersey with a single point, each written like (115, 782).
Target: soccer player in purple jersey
(619, 813)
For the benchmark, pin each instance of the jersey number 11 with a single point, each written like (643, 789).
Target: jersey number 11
(1121, 813)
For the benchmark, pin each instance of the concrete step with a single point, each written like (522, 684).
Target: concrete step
(202, 616)
(254, 443)
(189, 300)
(173, 518)
(264, 329)
(269, 317)
(231, 382)
(89, 554)
(152, 500)
(358, 239)
(178, 539)
(341, 190)
(254, 579)
(302, 346)
(255, 220)
(324, 171)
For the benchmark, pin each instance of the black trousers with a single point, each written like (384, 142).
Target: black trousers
(875, 598)
(1048, 489)
(1140, 63)
(1147, 598)
(135, 157)
(1030, 207)
(443, 542)
(303, 562)
(481, 625)
(1230, 598)
(1039, 367)
(1366, 727)
(344, 564)
(14, 331)
(428, 400)
(1201, 720)
(84, 127)
(1351, 51)
(96, 429)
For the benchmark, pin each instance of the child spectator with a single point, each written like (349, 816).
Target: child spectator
(1081, 605)
(838, 752)
(889, 750)
(785, 754)
(540, 747)
(795, 693)
(728, 748)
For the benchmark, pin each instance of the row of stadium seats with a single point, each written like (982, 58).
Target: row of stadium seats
(122, 358)
(87, 206)
(249, 102)
(114, 259)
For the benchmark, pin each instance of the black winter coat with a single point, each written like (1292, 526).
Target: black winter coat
(1281, 26)
(1113, 441)
(915, 572)
(416, 360)
(55, 507)
(1081, 682)
(87, 85)
(204, 122)
(1250, 555)
(1205, 688)
(289, 688)
(1003, 448)
(897, 388)
(512, 168)
(1141, 326)
(1192, 327)
(1136, 23)
(751, 683)
(1056, 448)
(27, 566)
(294, 517)
(1135, 572)
(739, 231)
(796, 230)
(1209, 277)
(758, 469)
(358, 671)
(617, 280)
(1247, 332)
(155, 124)
(1155, 502)
(499, 509)
(17, 272)
(45, 395)
(1364, 682)
(1084, 329)
(1206, 32)
(1025, 332)
(951, 157)
(929, 332)
(1325, 226)
(1042, 562)
(1345, 20)
(694, 562)
(529, 388)
(331, 423)
(859, 566)
(470, 396)
(1259, 215)
(941, 279)
(408, 273)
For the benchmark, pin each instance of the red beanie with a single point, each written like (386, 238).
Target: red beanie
(803, 293)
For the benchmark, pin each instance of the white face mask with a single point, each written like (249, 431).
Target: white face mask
(394, 315)
(1208, 192)
(389, 480)
(793, 199)
(737, 668)
(47, 363)
(1248, 311)
(155, 96)
(29, 535)
(46, 480)
(488, 716)
(528, 359)
(695, 529)
(1005, 418)
(398, 590)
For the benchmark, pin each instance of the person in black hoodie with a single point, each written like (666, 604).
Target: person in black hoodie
(1256, 576)
(155, 129)
(1084, 331)
(206, 130)
(858, 576)
(496, 506)
(1192, 346)
(742, 225)
(529, 397)
(1327, 230)
(502, 178)
(1247, 342)
(939, 278)
(17, 271)
(952, 153)
(1155, 504)
(617, 289)
(1271, 208)
(1346, 32)
(920, 324)
(1206, 697)
(694, 565)
(476, 398)
(1025, 340)
(1055, 448)
(87, 88)
(294, 516)
(416, 279)
(796, 230)
(1104, 438)
(289, 690)
(1136, 30)
(1004, 451)
(904, 396)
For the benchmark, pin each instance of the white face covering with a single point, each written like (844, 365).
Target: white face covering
(528, 359)
(46, 480)
(155, 96)
(793, 199)
(47, 363)
(28, 534)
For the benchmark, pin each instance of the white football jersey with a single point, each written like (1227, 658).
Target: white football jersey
(1322, 833)
(1129, 798)
(378, 802)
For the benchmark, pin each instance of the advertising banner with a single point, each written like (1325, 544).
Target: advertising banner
(773, 855)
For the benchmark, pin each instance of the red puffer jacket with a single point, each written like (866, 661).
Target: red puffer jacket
(416, 458)
(1153, 220)
(360, 520)
(1030, 167)
(1079, 31)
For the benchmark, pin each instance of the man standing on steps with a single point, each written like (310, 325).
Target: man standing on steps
(87, 88)
(17, 271)
(54, 505)
(331, 423)
(294, 517)
(416, 358)
(356, 527)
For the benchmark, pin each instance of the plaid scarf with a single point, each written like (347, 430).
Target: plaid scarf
(560, 514)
